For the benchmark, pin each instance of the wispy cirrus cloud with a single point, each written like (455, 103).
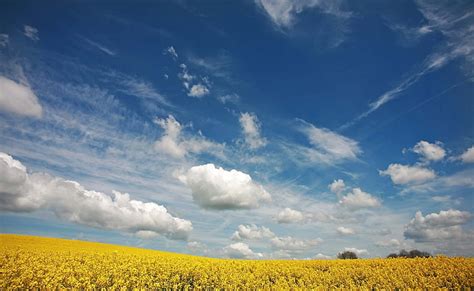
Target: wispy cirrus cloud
(99, 46)
(455, 22)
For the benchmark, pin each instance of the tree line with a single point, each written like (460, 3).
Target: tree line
(402, 254)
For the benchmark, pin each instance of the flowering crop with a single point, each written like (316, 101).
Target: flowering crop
(34, 262)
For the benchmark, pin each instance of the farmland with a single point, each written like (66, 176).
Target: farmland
(36, 262)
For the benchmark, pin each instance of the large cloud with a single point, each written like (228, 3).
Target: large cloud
(20, 191)
(252, 232)
(251, 128)
(358, 199)
(404, 174)
(437, 226)
(216, 188)
(174, 143)
(19, 99)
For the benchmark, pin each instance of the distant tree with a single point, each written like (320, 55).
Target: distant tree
(347, 255)
(418, 254)
(403, 254)
(410, 254)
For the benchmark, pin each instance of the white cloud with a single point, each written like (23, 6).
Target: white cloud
(437, 226)
(404, 174)
(430, 151)
(389, 243)
(4, 40)
(251, 128)
(100, 47)
(19, 99)
(446, 199)
(174, 143)
(358, 199)
(216, 188)
(337, 186)
(289, 215)
(194, 89)
(292, 244)
(31, 32)
(345, 230)
(229, 98)
(468, 155)
(140, 88)
(283, 12)
(241, 251)
(358, 252)
(455, 23)
(198, 90)
(71, 201)
(252, 232)
(320, 256)
(328, 146)
(172, 52)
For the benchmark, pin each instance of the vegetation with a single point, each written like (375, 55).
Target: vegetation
(410, 254)
(347, 255)
(28, 262)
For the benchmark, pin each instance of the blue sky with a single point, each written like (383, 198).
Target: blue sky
(252, 129)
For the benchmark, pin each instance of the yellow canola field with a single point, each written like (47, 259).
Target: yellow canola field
(36, 262)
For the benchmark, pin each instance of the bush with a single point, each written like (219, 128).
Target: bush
(347, 255)
(410, 254)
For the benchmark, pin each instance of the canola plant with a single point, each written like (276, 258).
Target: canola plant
(29, 262)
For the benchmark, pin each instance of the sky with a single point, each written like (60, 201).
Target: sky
(240, 129)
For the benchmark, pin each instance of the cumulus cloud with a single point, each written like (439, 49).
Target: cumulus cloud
(429, 151)
(198, 90)
(251, 129)
(216, 188)
(468, 155)
(337, 186)
(252, 232)
(358, 199)
(437, 226)
(20, 191)
(345, 230)
(174, 143)
(241, 250)
(328, 146)
(4, 40)
(405, 174)
(18, 99)
(289, 215)
(358, 252)
(31, 32)
(292, 244)
(283, 13)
